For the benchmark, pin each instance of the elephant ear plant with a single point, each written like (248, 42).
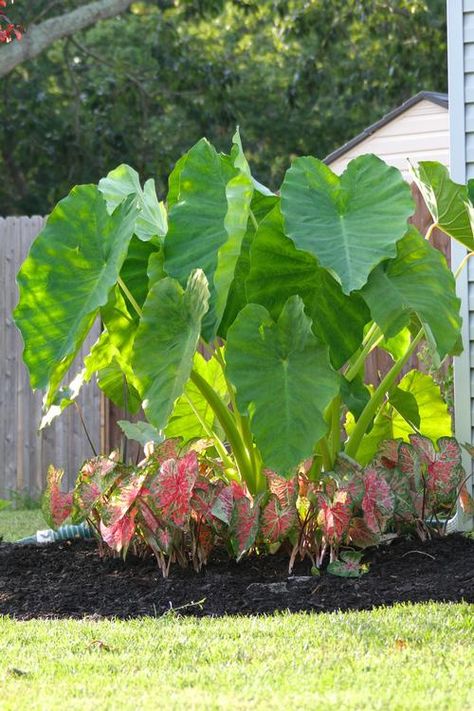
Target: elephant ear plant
(244, 317)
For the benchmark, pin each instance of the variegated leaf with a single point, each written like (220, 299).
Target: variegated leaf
(56, 504)
(278, 521)
(172, 487)
(378, 501)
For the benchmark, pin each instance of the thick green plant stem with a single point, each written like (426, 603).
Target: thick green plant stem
(234, 437)
(129, 296)
(335, 432)
(373, 338)
(325, 454)
(243, 426)
(378, 397)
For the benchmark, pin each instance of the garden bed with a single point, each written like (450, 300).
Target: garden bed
(71, 580)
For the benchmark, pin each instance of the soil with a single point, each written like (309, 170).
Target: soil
(71, 580)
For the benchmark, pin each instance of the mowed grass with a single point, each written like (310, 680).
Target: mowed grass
(19, 524)
(407, 657)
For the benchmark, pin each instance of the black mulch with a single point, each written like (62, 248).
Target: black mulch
(71, 580)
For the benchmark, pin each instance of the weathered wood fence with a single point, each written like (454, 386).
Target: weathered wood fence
(26, 453)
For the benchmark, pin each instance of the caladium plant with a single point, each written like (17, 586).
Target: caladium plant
(245, 317)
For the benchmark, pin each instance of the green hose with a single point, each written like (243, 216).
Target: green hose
(63, 533)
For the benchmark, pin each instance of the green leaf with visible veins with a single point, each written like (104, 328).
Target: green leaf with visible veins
(418, 281)
(284, 380)
(196, 229)
(166, 341)
(123, 181)
(446, 200)
(279, 270)
(349, 223)
(71, 268)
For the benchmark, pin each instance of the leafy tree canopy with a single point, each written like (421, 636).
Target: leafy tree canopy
(299, 78)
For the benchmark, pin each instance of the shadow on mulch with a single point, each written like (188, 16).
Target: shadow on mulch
(71, 580)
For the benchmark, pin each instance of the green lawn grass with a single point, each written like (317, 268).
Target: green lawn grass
(18, 524)
(407, 657)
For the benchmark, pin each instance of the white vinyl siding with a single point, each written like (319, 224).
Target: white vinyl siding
(419, 133)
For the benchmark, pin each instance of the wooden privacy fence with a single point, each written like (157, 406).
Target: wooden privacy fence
(25, 453)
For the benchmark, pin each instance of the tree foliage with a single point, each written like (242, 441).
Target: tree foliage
(299, 78)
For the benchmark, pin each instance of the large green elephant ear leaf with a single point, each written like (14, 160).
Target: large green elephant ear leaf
(123, 181)
(72, 266)
(192, 416)
(111, 356)
(446, 200)
(284, 380)
(210, 198)
(278, 270)
(349, 223)
(166, 341)
(418, 281)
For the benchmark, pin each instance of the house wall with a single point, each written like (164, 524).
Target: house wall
(460, 16)
(419, 133)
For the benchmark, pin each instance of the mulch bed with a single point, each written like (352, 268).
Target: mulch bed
(71, 580)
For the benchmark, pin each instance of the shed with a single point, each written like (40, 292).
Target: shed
(418, 130)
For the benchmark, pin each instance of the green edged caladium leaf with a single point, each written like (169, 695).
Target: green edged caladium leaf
(278, 270)
(349, 223)
(197, 229)
(348, 565)
(283, 378)
(172, 487)
(277, 521)
(192, 416)
(166, 341)
(446, 200)
(72, 266)
(151, 220)
(393, 292)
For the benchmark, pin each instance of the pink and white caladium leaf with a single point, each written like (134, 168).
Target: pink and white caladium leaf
(56, 504)
(378, 501)
(244, 523)
(278, 521)
(168, 449)
(95, 478)
(334, 516)
(360, 535)
(285, 490)
(388, 453)
(171, 488)
(120, 532)
(405, 500)
(446, 473)
(123, 498)
(348, 565)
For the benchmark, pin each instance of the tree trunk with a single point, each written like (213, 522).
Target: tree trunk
(39, 37)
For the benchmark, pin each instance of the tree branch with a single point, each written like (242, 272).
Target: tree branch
(41, 36)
